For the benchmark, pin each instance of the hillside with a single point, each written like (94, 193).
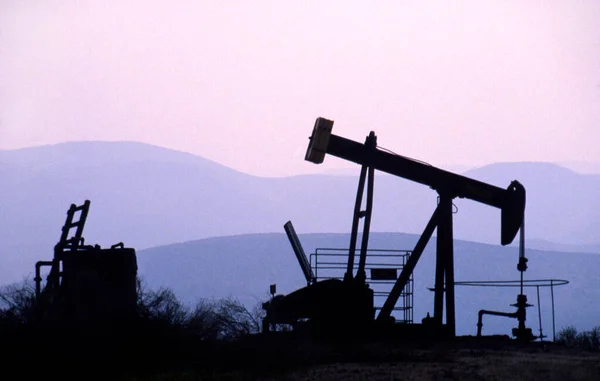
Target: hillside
(148, 196)
(562, 206)
(244, 266)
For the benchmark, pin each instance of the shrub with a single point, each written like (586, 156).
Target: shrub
(17, 303)
(160, 307)
(235, 320)
(588, 340)
(567, 336)
(159, 312)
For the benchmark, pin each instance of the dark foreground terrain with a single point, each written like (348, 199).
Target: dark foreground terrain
(165, 355)
(459, 364)
(461, 360)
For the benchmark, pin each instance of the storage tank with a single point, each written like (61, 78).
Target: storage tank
(99, 285)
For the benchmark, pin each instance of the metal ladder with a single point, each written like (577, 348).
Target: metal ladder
(64, 244)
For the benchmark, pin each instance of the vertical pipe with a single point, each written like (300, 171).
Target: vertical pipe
(38, 281)
(412, 299)
(539, 312)
(522, 239)
(522, 248)
(406, 295)
(317, 264)
(552, 295)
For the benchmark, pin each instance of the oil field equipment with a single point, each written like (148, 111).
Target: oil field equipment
(332, 304)
(521, 332)
(326, 266)
(86, 284)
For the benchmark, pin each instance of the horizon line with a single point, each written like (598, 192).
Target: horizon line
(327, 172)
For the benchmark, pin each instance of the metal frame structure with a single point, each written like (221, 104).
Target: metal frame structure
(537, 283)
(511, 202)
(64, 244)
(331, 261)
(86, 283)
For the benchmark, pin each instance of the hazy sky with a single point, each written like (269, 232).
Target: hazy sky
(242, 82)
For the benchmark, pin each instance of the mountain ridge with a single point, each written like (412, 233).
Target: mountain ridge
(87, 151)
(156, 198)
(339, 172)
(244, 266)
(515, 244)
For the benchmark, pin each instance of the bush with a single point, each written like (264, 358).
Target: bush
(165, 334)
(235, 320)
(588, 340)
(222, 319)
(158, 311)
(17, 303)
(160, 307)
(567, 336)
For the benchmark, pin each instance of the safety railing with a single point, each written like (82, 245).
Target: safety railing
(537, 283)
(382, 269)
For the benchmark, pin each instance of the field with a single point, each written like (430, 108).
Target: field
(460, 360)
(461, 365)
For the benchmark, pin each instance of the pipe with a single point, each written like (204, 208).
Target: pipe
(540, 313)
(553, 322)
(514, 315)
(38, 278)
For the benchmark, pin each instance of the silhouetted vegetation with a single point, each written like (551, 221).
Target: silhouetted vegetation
(17, 302)
(588, 340)
(221, 319)
(209, 340)
(165, 334)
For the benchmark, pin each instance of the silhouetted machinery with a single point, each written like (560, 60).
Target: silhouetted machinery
(336, 304)
(86, 284)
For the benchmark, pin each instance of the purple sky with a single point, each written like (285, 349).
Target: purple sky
(241, 83)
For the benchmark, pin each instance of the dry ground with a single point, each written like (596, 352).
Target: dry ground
(461, 365)
(457, 361)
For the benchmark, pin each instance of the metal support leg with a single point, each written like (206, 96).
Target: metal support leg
(445, 265)
(360, 273)
(408, 269)
(438, 298)
(357, 214)
(448, 239)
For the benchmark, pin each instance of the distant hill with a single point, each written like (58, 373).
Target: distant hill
(244, 266)
(541, 244)
(562, 205)
(589, 167)
(147, 196)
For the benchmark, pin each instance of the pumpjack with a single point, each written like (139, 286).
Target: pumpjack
(86, 284)
(334, 304)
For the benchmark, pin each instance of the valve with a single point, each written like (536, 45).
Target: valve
(522, 265)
